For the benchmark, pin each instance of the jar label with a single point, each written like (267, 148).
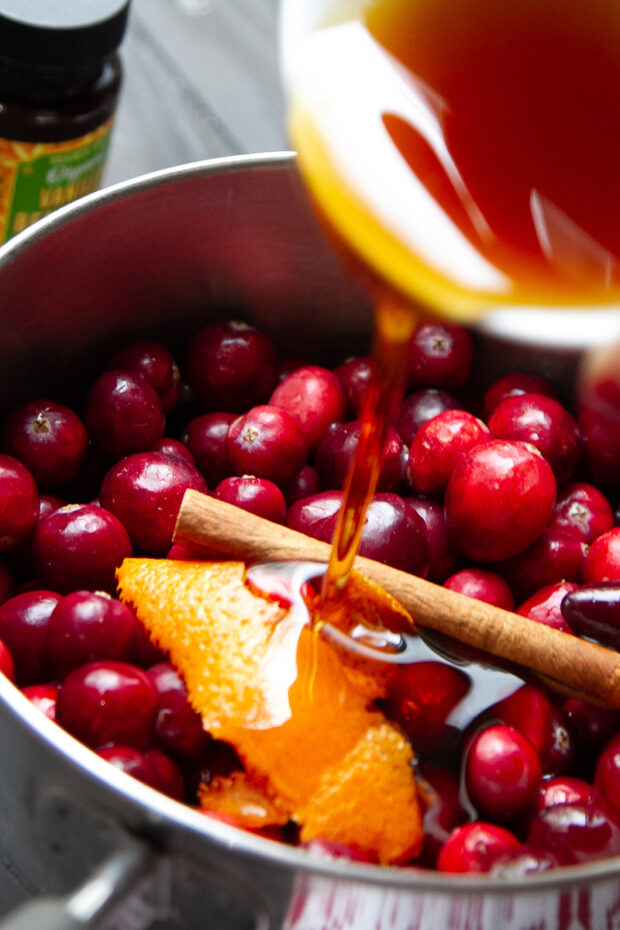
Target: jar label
(38, 177)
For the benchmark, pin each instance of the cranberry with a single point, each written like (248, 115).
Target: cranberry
(48, 438)
(156, 364)
(256, 495)
(499, 499)
(602, 448)
(267, 442)
(24, 621)
(7, 582)
(355, 375)
(437, 447)
(502, 773)
(474, 847)
(87, 626)
(303, 484)
(19, 503)
(206, 438)
(565, 789)
(483, 585)
(338, 447)
(559, 754)
(443, 559)
(123, 414)
(316, 515)
(545, 606)
(517, 865)
(582, 510)
(48, 503)
(7, 665)
(591, 726)
(607, 777)
(443, 810)
(555, 556)
(178, 727)
(313, 396)
(528, 710)
(440, 356)
(603, 558)
(231, 366)
(575, 833)
(592, 611)
(144, 491)
(80, 547)
(513, 385)
(108, 702)
(420, 407)
(43, 697)
(152, 767)
(174, 447)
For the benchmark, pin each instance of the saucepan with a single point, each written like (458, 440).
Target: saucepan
(88, 845)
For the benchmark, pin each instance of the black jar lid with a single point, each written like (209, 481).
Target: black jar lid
(60, 34)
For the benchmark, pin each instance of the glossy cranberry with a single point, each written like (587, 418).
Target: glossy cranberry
(231, 366)
(502, 773)
(178, 727)
(499, 499)
(421, 698)
(336, 451)
(108, 702)
(420, 407)
(156, 364)
(206, 438)
(19, 503)
(144, 491)
(256, 495)
(173, 447)
(303, 484)
(607, 777)
(316, 515)
(331, 849)
(474, 847)
(24, 621)
(558, 756)
(594, 611)
(443, 558)
(583, 511)
(514, 385)
(575, 833)
(48, 438)
(483, 585)
(80, 547)
(603, 558)
(313, 396)
(123, 414)
(602, 448)
(267, 442)
(87, 626)
(517, 865)
(440, 356)
(169, 776)
(437, 447)
(443, 810)
(592, 726)
(565, 789)
(44, 698)
(545, 606)
(555, 556)
(354, 375)
(7, 665)
(528, 710)
(151, 767)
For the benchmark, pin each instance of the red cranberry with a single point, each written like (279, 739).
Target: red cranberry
(267, 442)
(24, 621)
(313, 396)
(437, 447)
(517, 865)
(602, 448)
(603, 558)
(443, 559)
(7, 665)
(355, 375)
(144, 491)
(545, 606)
(48, 438)
(502, 773)
(44, 698)
(256, 495)
(591, 726)
(151, 767)
(583, 511)
(48, 503)
(80, 547)
(108, 702)
(528, 710)
(420, 407)
(338, 447)
(607, 777)
(575, 833)
(440, 356)
(555, 556)
(565, 789)
(513, 385)
(443, 810)
(231, 366)
(178, 727)
(156, 364)
(559, 754)
(303, 484)
(123, 414)
(19, 503)
(474, 847)
(483, 585)
(206, 438)
(87, 626)
(174, 447)
(168, 774)
(499, 499)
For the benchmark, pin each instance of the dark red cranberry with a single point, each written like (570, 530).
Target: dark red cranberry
(559, 754)
(474, 847)
(48, 438)
(231, 366)
(256, 495)
(151, 767)
(545, 606)
(355, 375)
(48, 503)
(313, 396)
(513, 385)
(169, 776)
(80, 547)
(24, 621)
(443, 558)
(267, 442)
(156, 364)
(108, 702)
(316, 515)
(555, 556)
(499, 499)
(592, 726)
(336, 451)
(144, 491)
(443, 811)
(502, 773)
(607, 777)
(483, 585)
(145, 653)
(528, 710)
(303, 484)
(603, 559)
(575, 833)
(87, 626)
(19, 503)
(582, 510)
(420, 407)
(441, 356)
(7, 582)
(174, 447)
(44, 698)
(594, 611)
(7, 665)
(518, 865)
(178, 727)
(565, 789)
(437, 447)
(602, 448)
(206, 438)
(123, 414)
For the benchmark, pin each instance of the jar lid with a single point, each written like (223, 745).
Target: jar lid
(60, 35)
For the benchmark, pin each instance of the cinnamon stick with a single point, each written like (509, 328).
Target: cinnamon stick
(569, 664)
